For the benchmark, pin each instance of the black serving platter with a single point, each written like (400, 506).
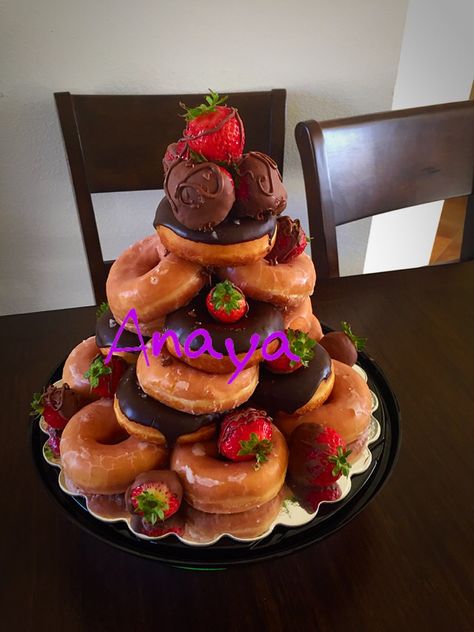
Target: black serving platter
(283, 540)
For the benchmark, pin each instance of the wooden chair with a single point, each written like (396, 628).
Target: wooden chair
(117, 142)
(362, 166)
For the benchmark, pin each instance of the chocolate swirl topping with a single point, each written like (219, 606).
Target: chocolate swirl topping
(143, 409)
(259, 186)
(261, 318)
(289, 391)
(228, 232)
(106, 329)
(201, 195)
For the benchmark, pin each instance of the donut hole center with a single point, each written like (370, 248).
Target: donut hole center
(118, 436)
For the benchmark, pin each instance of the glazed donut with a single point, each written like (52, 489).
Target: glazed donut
(77, 363)
(94, 461)
(262, 319)
(281, 284)
(152, 283)
(150, 420)
(300, 316)
(106, 329)
(297, 392)
(213, 485)
(185, 388)
(232, 242)
(347, 410)
(204, 527)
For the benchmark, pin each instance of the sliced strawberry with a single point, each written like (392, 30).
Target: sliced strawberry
(104, 378)
(301, 345)
(226, 303)
(246, 435)
(318, 456)
(214, 132)
(290, 241)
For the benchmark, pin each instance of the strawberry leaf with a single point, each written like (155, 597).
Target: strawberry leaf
(359, 343)
(226, 297)
(212, 101)
(341, 465)
(259, 447)
(37, 405)
(301, 345)
(103, 307)
(96, 370)
(151, 507)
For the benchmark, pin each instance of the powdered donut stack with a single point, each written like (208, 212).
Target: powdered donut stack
(187, 428)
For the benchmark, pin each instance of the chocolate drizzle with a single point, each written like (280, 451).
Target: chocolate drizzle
(290, 391)
(139, 407)
(62, 399)
(230, 231)
(261, 318)
(201, 195)
(106, 329)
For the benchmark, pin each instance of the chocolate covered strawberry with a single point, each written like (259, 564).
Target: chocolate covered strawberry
(246, 435)
(226, 303)
(104, 378)
(318, 456)
(214, 131)
(174, 152)
(56, 404)
(301, 345)
(290, 241)
(343, 345)
(155, 496)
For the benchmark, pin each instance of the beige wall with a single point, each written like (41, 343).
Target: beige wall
(335, 58)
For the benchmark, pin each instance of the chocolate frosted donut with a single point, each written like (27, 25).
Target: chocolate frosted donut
(289, 392)
(217, 247)
(262, 319)
(229, 232)
(259, 187)
(136, 408)
(106, 329)
(201, 195)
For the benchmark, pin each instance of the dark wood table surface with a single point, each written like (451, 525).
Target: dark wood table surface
(405, 563)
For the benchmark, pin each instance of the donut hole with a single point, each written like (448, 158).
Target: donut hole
(118, 436)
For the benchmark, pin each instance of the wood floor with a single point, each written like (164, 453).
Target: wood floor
(447, 244)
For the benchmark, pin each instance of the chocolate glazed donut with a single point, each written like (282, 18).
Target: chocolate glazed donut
(201, 195)
(159, 423)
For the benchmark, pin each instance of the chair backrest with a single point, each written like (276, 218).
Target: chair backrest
(365, 165)
(117, 142)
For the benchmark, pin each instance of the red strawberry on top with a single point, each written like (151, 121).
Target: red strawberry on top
(246, 435)
(290, 241)
(56, 404)
(175, 151)
(318, 456)
(214, 132)
(104, 378)
(226, 303)
(301, 345)
(156, 499)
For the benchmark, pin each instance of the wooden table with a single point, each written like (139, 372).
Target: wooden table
(405, 563)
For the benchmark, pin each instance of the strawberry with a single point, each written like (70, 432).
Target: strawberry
(301, 345)
(226, 303)
(53, 441)
(104, 378)
(343, 345)
(175, 151)
(214, 132)
(290, 241)
(246, 435)
(56, 404)
(154, 501)
(318, 456)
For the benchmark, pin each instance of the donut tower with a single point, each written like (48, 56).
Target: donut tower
(190, 410)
